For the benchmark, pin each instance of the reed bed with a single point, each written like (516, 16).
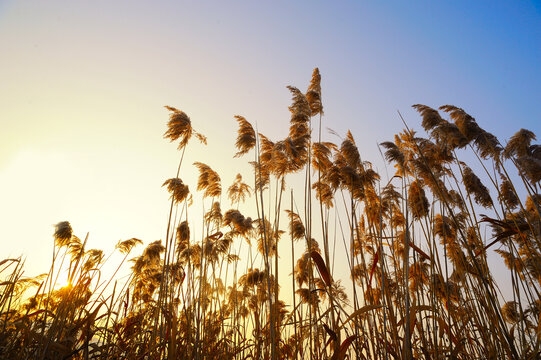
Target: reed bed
(420, 250)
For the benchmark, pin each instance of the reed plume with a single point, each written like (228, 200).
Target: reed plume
(507, 195)
(322, 155)
(349, 150)
(324, 193)
(180, 128)
(394, 154)
(431, 117)
(475, 187)
(246, 139)
(178, 190)
(420, 259)
(465, 123)
(530, 167)
(313, 94)
(300, 109)
(510, 312)
(209, 181)
(182, 236)
(63, 233)
(519, 144)
(238, 191)
(296, 227)
(242, 225)
(417, 201)
(126, 246)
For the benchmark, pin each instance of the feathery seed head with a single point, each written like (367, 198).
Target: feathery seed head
(296, 227)
(464, 122)
(178, 190)
(510, 313)
(449, 134)
(533, 203)
(127, 245)
(209, 181)
(417, 201)
(444, 228)
(313, 94)
(530, 168)
(321, 155)
(324, 193)
(94, 257)
(519, 144)
(507, 195)
(394, 154)
(180, 128)
(183, 236)
(488, 145)
(246, 138)
(475, 187)
(152, 251)
(214, 215)
(63, 233)
(238, 191)
(300, 109)
(431, 117)
(238, 222)
(350, 151)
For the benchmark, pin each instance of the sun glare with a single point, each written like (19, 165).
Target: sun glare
(62, 281)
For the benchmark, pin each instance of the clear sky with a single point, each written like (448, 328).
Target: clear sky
(83, 85)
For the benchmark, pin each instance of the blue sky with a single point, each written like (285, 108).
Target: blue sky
(83, 85)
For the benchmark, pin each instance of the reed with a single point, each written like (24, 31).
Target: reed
(396, 267)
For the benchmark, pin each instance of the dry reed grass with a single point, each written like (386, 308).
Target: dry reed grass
(417, 249)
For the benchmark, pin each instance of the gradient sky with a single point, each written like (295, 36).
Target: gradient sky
(83, 85)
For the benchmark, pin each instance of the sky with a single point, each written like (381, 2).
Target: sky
(83, 85)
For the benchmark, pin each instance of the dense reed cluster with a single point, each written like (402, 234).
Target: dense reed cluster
(419, 251)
